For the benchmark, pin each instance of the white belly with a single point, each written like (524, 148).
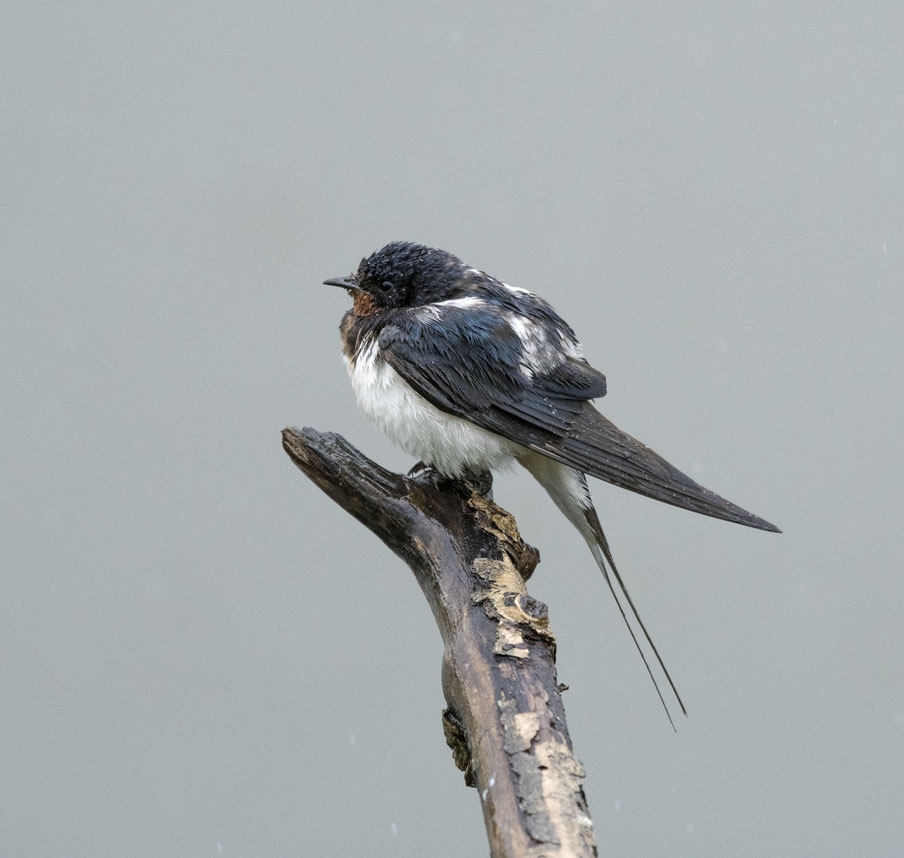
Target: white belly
(449, 444)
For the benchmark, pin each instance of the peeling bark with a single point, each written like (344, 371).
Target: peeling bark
(505, 721)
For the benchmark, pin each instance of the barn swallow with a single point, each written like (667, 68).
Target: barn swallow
(467, 374)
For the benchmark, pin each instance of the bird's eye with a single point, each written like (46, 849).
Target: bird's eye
(386, 286)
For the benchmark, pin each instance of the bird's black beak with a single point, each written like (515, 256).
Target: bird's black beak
(343, 283)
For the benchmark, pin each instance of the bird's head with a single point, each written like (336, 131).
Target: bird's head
(404, 275)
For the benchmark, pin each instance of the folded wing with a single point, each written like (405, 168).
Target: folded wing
(476, 366)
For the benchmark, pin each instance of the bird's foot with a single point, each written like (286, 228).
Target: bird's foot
(479, 482)
(420, 469)
(469, 482)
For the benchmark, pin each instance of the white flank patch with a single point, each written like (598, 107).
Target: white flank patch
(435, 310)
(539, 356)
(572, 347)
(449, 443)
(466, 303)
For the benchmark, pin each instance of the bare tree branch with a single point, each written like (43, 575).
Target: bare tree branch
(505, 722)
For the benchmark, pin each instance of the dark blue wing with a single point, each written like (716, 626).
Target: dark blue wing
(472, 363)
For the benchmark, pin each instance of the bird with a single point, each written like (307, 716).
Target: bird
(469, 374)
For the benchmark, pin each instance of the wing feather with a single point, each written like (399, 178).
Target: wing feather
(598, 447)
(472, 364)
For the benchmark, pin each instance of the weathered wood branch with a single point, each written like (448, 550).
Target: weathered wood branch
(505, 722)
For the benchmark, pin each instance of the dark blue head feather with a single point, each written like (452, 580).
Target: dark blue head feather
(403, 274)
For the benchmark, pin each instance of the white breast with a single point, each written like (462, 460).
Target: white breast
(450, 444)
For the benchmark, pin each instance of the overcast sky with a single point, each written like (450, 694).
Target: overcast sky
(201, 655)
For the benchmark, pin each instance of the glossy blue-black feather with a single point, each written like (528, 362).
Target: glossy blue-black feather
(470, 362)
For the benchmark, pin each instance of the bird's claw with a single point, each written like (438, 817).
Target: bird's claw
(419, 469)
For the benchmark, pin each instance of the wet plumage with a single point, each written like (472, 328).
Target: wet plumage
(467, 373)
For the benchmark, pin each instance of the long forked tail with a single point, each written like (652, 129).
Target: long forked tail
(602, 554)
(568, 489)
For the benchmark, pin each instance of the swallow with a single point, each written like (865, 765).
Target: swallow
(469, 374)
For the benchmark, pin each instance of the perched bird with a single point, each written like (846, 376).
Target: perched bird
(467, 374)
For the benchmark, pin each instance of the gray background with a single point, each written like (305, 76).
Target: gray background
(202, 655)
